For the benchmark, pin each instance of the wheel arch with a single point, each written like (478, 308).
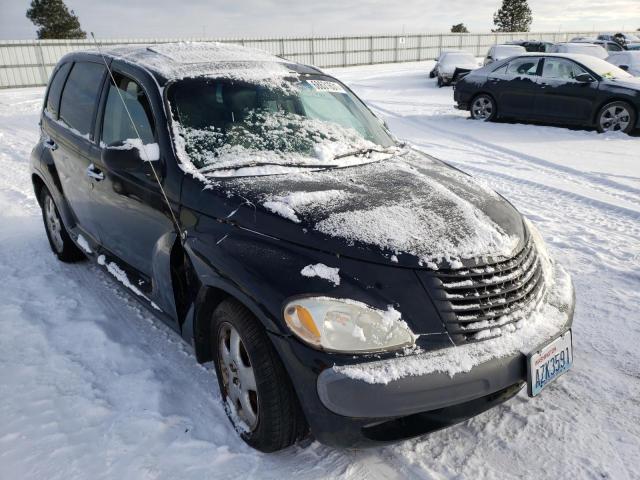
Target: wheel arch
(197, 295)
(594, 119)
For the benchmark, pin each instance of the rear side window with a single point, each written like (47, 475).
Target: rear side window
(80, 96)
(523, 66)
(55, 88)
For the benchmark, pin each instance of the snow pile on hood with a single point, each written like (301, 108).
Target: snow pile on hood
(419, 230)
(540, 325)
(287, 205)
(322, 271)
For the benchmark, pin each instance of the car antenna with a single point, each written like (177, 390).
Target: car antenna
(133, 124)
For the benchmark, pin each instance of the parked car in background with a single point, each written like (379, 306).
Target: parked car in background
(434, 71)
(499, 52)
(628, 61)
(261, 210)
(583, 39)
(622, 38)
(555, 88)
(452, 64)
(580, 48)
(532, 45)
(608, 45)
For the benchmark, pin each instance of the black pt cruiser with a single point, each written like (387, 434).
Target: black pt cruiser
(342, 283)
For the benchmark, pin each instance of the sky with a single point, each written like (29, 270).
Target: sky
(249, 18)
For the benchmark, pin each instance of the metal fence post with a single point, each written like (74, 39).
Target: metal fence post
(439, 44)
(371, 50)
(44, 78)
(344, 51)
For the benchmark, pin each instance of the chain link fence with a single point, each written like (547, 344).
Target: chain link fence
(28, 63)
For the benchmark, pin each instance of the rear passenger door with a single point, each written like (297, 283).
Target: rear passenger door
(560, 96)
(514, 86)
(69, 126)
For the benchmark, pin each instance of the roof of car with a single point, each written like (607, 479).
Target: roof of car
(170, 61)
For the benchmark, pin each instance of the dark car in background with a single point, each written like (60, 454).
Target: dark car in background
(262, 211)
(532, 45)
(554, 88)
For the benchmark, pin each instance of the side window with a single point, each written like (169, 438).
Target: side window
(117, 126)
(561, 69)
(55, 88)
(526, 66)
(80, 95)
(614, 47)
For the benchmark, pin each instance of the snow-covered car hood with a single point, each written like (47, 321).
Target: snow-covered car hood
(411, 210)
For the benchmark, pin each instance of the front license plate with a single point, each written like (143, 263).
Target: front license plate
(548, 363)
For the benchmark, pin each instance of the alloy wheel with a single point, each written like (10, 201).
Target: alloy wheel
(615, 118)
(54, 224)
(238, 376)
(482, 108)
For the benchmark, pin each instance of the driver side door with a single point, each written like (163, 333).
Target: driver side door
(132, 212)
(514, 86)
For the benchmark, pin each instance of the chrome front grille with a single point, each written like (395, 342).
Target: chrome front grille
(485, 302)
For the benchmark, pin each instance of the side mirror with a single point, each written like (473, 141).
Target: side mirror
(585, 78)
(624, 67)
(127, 156)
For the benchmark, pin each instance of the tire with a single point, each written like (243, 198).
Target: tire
(616, 117)
(432, 74)
(59, 239)
(483, 107)
(440, 82)
(262, 406)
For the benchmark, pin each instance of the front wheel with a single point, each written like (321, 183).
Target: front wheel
(483, 107)
(440, 82)
(256, 391)
(59, 240)
(616, 117)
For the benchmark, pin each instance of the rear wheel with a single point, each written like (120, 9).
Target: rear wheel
(256, 390)
(440, 82)
(616, 117)
(483, 107)
(59, 240)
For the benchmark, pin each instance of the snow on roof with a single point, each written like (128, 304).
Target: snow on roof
(193, 59)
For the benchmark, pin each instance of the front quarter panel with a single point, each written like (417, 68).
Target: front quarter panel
(264, 272)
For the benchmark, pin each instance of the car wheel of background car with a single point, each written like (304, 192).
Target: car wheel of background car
(616, 117)
(432, 74)
(440, 82)
(59, 240)
(256, 391)
(483, 107)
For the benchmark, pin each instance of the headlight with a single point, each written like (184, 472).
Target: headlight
(343, 325)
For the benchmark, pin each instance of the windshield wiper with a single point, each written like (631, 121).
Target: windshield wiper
(213, 168)
(361, 151)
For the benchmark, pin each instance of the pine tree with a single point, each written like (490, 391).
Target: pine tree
(459, 28)
(513, 16)
(54, 20)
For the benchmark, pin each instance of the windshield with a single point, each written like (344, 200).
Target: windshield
(594, 50)
(313, 122)
(603, 68)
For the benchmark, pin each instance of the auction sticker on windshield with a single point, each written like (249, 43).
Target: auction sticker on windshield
(549, 362)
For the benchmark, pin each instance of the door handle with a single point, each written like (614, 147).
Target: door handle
(95, 173)
(50, 144)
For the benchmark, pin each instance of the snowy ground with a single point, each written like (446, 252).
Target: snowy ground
(91, 386)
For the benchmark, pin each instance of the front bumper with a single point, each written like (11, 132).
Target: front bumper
(344, 410)
(413, 394)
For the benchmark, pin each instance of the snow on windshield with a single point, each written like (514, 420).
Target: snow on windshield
(602, 67)
(459, 59)
(229, 128)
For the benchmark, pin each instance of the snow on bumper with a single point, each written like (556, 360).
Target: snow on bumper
(427, 381)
